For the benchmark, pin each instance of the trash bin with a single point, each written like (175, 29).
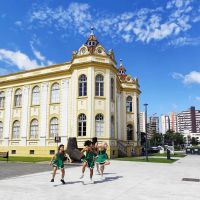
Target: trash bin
(196, 151)
(188, 151)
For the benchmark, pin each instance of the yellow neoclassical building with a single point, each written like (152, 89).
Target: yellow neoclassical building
(90, 96)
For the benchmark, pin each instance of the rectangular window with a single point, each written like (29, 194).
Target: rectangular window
(52, 152)
(13, 151)
(32, 152)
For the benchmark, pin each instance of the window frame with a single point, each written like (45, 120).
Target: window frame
(99, 123)
(99, 85)
(35, 100)
(53, 128)
(82, 86)
(82, 125)
(55, 93)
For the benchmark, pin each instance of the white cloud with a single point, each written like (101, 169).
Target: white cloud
(18, 23)
(144, 25)
(197, 98)
(185, 41)
(38, 54)
(17, 58)
(177, 76)
(21, 60)
(192, 77)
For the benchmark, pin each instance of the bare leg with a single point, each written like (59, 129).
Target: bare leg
(62, 173)
(91, 173)
(54, 172)
(83, 169)
(97, 164)
(102, 170)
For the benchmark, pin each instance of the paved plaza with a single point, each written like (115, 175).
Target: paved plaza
(124, 180)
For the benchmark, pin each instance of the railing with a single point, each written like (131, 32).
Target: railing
(122, 150)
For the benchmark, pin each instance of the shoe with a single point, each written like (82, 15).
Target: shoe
(81, 176)
(102, 178)
(52, 180)
(63, 182)
(91, 181)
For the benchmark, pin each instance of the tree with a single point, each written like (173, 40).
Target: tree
(172, 138)
(169, 137)
(194, 141)
(156, 139)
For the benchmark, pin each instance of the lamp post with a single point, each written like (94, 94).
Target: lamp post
(146, 142)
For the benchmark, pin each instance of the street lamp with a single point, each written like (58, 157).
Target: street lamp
(146, 142)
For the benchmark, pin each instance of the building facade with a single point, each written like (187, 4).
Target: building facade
(153, 125)
(142, 122)
(165, 123)
(87, 97)
(173, 121)
(189, 121)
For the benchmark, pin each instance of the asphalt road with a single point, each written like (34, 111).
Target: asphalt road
(12, 169)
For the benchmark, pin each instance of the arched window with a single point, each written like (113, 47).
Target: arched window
(82, 125)
(112, 127)
(99, 125)
(99, 85)
(16, 130)
(34, 129)
(112, 88)
(129, 132)
(1, 130)
(18, 98)
(53, 127)
(2, 99)
(129, 104)
(83, 85)
(36, 96)
(55, 93)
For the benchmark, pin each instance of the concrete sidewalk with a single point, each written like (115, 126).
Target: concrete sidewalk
(124, 180)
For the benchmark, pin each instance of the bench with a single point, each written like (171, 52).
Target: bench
(4, 155)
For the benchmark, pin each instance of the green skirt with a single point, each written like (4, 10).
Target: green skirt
(102, 158)
(58, 163)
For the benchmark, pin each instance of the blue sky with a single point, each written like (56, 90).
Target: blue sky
(158, 41)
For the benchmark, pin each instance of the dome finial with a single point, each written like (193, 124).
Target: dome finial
(121, 63)
(92, 30)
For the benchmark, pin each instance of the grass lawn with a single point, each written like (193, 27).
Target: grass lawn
(143, 159)
(165, 154)
(26, 159)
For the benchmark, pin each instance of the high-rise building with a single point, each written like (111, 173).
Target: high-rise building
(189, 121)
(173, 122)
(165, 123)
(142, 122)
(153, 125)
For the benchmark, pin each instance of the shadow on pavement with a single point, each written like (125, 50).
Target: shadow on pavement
(68, 183)
(108, 179)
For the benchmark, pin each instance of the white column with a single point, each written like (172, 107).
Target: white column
(90, 109)
(74, 86)
(108, 104)
(43, 113)
(135, 117)
(7, 120)
(64, 110)
(119, 116)
(25, 111)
